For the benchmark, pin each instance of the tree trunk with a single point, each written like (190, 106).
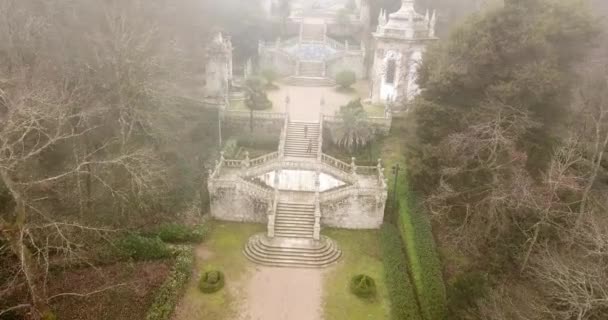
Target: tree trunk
(14, 232)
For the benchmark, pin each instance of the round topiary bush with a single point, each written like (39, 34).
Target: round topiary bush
(363, 286)
(211, 281)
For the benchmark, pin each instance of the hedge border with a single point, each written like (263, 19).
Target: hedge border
(404, 305)
(170, 291)
(423, 258)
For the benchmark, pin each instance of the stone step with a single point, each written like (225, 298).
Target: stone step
(279, 252)
(295, 214)
(301, 154)
(320, 251)
(305, 226)
(323, 253)
(293, 233)
(295, 204)
(295, 223)
(296, 210)
(301, 81)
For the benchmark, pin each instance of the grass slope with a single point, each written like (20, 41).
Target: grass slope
(222, 251)
(361, 254)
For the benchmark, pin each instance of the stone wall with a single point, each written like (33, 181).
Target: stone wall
(261, 125)
(277, 60)
(353, 213)
(354, 62)
(229, 204)
(331, 128)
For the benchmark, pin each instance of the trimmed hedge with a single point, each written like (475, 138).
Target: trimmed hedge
(404, 305)
(211, 281)
(169, 293)
(363, 286)
(142, 248)
(424, 262)
(178, 233)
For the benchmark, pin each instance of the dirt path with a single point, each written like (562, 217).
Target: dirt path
(283, 294)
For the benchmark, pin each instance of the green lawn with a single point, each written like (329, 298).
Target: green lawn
(222, 251)
(361, 254)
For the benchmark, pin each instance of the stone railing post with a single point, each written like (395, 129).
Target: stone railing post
(301, 31)
(246, 162)
(317, 226)
(353, 166)
(271, 216)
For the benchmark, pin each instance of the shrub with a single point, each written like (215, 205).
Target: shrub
(270, 75)
(48, 315)
(401, 291)
(345, 79)
(211, 281)
(230, 148)
(363, 286)
(177, 233)
(142, 248)
(169, 293)
(425, 266)
(258, 141)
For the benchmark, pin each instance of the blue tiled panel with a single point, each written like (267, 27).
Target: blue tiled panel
(311, 51)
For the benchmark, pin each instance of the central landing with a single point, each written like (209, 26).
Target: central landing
(292, 252)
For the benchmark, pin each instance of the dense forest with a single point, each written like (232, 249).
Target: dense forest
(508, 155)
(98, 131)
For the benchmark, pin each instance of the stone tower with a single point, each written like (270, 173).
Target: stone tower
(218, 69)
(400, 40)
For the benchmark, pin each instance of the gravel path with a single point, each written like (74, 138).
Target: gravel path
(283, 294)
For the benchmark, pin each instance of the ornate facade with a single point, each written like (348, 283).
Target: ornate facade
(400, 42)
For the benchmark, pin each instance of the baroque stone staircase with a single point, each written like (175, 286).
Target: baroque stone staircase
(299, 138)
(309, 82)
(311, 69)
(295, 220)
(292, 252)
(293, 238)
(313, 32)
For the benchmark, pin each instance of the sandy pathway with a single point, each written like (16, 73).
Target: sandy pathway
(305, 102)
(284, 294)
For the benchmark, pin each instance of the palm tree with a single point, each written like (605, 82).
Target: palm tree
(354, 131)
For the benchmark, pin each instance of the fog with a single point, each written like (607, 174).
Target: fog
(303, 159)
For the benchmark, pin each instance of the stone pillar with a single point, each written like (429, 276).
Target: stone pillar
(353, 166)
(317, 226)
(246, 162)
(271, 216)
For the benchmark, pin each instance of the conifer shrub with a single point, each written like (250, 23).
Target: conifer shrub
(363, 286)
(345, 79)
(211, 281)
